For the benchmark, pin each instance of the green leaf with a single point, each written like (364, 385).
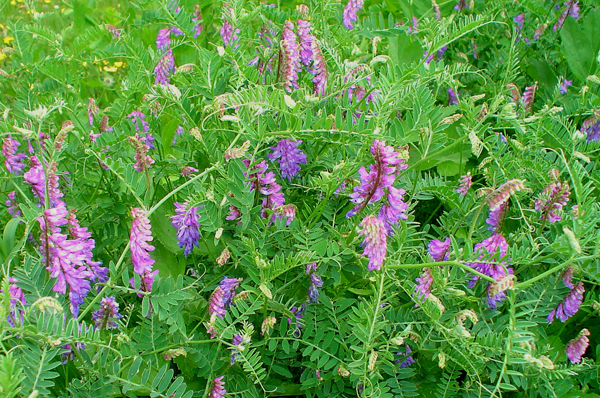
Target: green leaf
(581, 44)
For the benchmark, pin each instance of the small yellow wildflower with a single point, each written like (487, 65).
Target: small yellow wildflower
(8, 39)
(111, 69)
(118, 64)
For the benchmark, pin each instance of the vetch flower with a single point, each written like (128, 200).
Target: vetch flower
(139, 237)
(36, 177)
(496, 216)
(572, 9)
(17, 301)
(452, 99)
(375, 183)
(104, 127)
(188, 227)
(414, 29)
(423, 287)
(265, 183)
(375, 242)
(519, 20)
(218, 390)
(223, 257)
(349, 14)
(197, 18)
(462, 4)
(501, 195)
(306, 40)
(407, 359)
(139, 116)
(188, 171)
(12, 160)
(436, 10)
(11, 204)
(564, 85)
(577, 347)
(591, 127)
(465, 184)
(290, 157)
(81, 234)
(163, 39)
(569, 306)
(237, 341)
(438, 250)
(228, 34)
(551, 201)
(290, 63)
(142, 160)
(528, 98)
(92, 110)
(319, 69)
(107, 314)
(313, 290)
(165, 68)
(567, 277)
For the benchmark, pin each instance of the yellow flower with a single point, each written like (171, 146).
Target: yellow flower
(2, 56)
(8, 39)
(110, 69)
(118, 64)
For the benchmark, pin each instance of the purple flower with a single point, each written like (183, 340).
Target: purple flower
(290, 157)
(298, 313)
(349, 15)
(500, 196)
(572, 9)
(13, 160)
(290, 64)
(564, 85)
(436, 10)
(197, 18)
(228, 34)
(188, 227)
(137, 115)
(17, 299)
(569, 306)
(375, 183)
(375, 242)
(142, 160)
(462, 4)
(107, 314)
(519, 20)
(92, 110)
(81, 234)
(218, 390)
(306, 40)
(452, 99)
(576, 347)
(188, 171)
(591, 127)
(496, 217)
(529, 97)
(165, 68)
(407, 359)
(438, 250)
(414, 29)
(36, 177)
(423, 287)
(116, 33)
(237, 340)
(465, 184)
(551, 201)
(313, 290)
(319, 69)
(139, 237)
(266, 185)
(64, 258)
(104, 127)
(567, 277)
(539, 31)
(288, 212)
(163, 39)
(11, 204)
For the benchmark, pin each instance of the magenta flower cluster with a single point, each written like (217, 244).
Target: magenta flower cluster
(108, 313)
(220, 300)
(139, 237)
(551, 201)
(350, 12)
(577, 347)
(496, 244)
(569, 306)
(12, 160)
(290, 65)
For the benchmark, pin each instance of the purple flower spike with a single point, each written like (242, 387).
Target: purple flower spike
(465, 184)
(165, 68)
(17, 301)
(188, 227)
(290, 64)
(306, 40)
(163, 39)
(519, 20)
(140, 235)
(228, 34)
(496, 217)
(218, 390)
(142, 160)
(290, 157)
(452, 99)
(438, 250)
(92, 110)
(591, 127)
(319, 69)
(436, 10)
(12, 160)
(236, 341)
(564, 85)
(569, 306)
(423, 287)
(313, 290)
(572, 9)
(551, 201)
(11, 204)
(197, 18)
(462, 4)
(576, 347)
(107, 314)
(375, 242)
(414, 29)
(137, 115)
(349, 15)
(407, 359)
(529, 97)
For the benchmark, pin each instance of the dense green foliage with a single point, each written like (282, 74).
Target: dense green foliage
(353, 340)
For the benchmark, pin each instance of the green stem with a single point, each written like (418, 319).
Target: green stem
(441, 263)
(531, 281)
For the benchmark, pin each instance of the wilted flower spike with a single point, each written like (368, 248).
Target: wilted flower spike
(501, 195)
(375, 242)
(12, 160)
(290, 157)
(465, 184)
(218, 390)
(438, 250)
(577, 347)
(529, 97)
(569, 306)
(551, 201)
(140, 236)
(349, 15)
(107, 314)
(290, 63)
(188, 227)
(92, 110)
